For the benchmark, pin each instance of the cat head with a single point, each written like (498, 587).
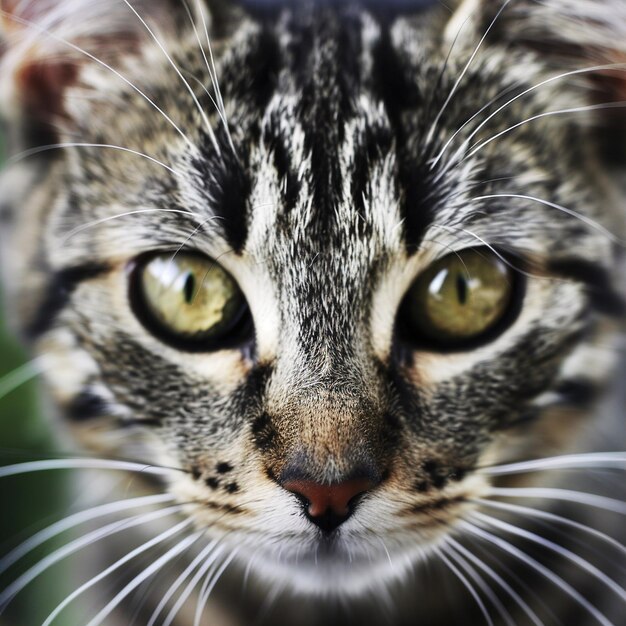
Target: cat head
(328, 260)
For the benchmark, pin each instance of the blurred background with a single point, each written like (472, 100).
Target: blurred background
(32, 501)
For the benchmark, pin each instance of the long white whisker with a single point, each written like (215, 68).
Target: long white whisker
(67, 464)
(78, 544)
(485, 243)
(125, 559)
(219, 104)
(568, 461)
(434, 125)
(58, 146)
(525, 510)
(592, 107)
(110, 218)
(180, 580)
(103, 64)
(149, 571)
(21, 375)
(585, 70)
(196, 578)
(209, 584)
(202, 112)
(436, 160)
(537, 566)
(554, 547)
(466, 584)
(76, 519)
(482, 585)
(498, 579)
(591, 223)
(213, 75)
(579, 497)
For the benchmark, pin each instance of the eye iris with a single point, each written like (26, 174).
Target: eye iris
(461, 296)
(190, 295)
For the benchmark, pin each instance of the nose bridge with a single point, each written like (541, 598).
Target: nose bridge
(332, 432)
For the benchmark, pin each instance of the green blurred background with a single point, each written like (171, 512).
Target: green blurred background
(29, 502)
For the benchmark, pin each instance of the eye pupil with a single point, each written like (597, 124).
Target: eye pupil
(461, 288)
(190, 302)
(190, 288)
(460, 301)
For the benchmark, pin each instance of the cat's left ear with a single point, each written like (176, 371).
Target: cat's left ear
(45, 45)
(566, 34)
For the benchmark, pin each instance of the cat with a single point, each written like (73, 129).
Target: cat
(339, 285)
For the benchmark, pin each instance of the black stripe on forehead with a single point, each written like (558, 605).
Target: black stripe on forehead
(247, 79)
(393, 84)
(324, 60)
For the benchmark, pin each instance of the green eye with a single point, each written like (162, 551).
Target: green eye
(460, 299)
(188, 300)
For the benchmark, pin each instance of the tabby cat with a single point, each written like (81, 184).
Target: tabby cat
(337, 284)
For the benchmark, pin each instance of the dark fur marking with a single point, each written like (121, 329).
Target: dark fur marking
(422, 486)
(263, 431)
(223, 468)
(60, 289)
(86, 406)
(212, 482)
(578, 392)
(602, 295)
(232, 488)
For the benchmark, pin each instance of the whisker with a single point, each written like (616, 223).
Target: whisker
(125, 559)
(75, 520)
(454, 160)
(538, 567)
(104, 220)
(171, 616)
(482, 585)
(568, 461)
(497, 253)
(576, 497)
(433, 163)
(209, 584)
(78, 463)
(554, 547)
(435, 123)
(152, 569)
(497, 578)
(57, 146)
(21, 375)
(514, 508)
(180, 580)
(477, 147)
(219, 105)
(466, 584)
(7, 595)
(202, 112)
(586, 220)
(80, 50)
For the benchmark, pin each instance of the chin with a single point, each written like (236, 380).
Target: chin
(334, 567)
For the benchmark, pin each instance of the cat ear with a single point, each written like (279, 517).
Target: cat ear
(44, 45)
(567, 34)
(585, 40)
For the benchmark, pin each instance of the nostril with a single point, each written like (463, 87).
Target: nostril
(328, 506)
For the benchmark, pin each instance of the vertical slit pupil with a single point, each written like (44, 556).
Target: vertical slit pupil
(461, 288)
(190, 288)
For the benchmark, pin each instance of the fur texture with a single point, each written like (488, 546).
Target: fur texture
(341, 155)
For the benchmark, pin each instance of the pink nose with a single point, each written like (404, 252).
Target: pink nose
(334, 499)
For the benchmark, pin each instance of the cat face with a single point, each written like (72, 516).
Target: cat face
(330, 291)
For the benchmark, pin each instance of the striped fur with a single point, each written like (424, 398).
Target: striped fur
(340, 167)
